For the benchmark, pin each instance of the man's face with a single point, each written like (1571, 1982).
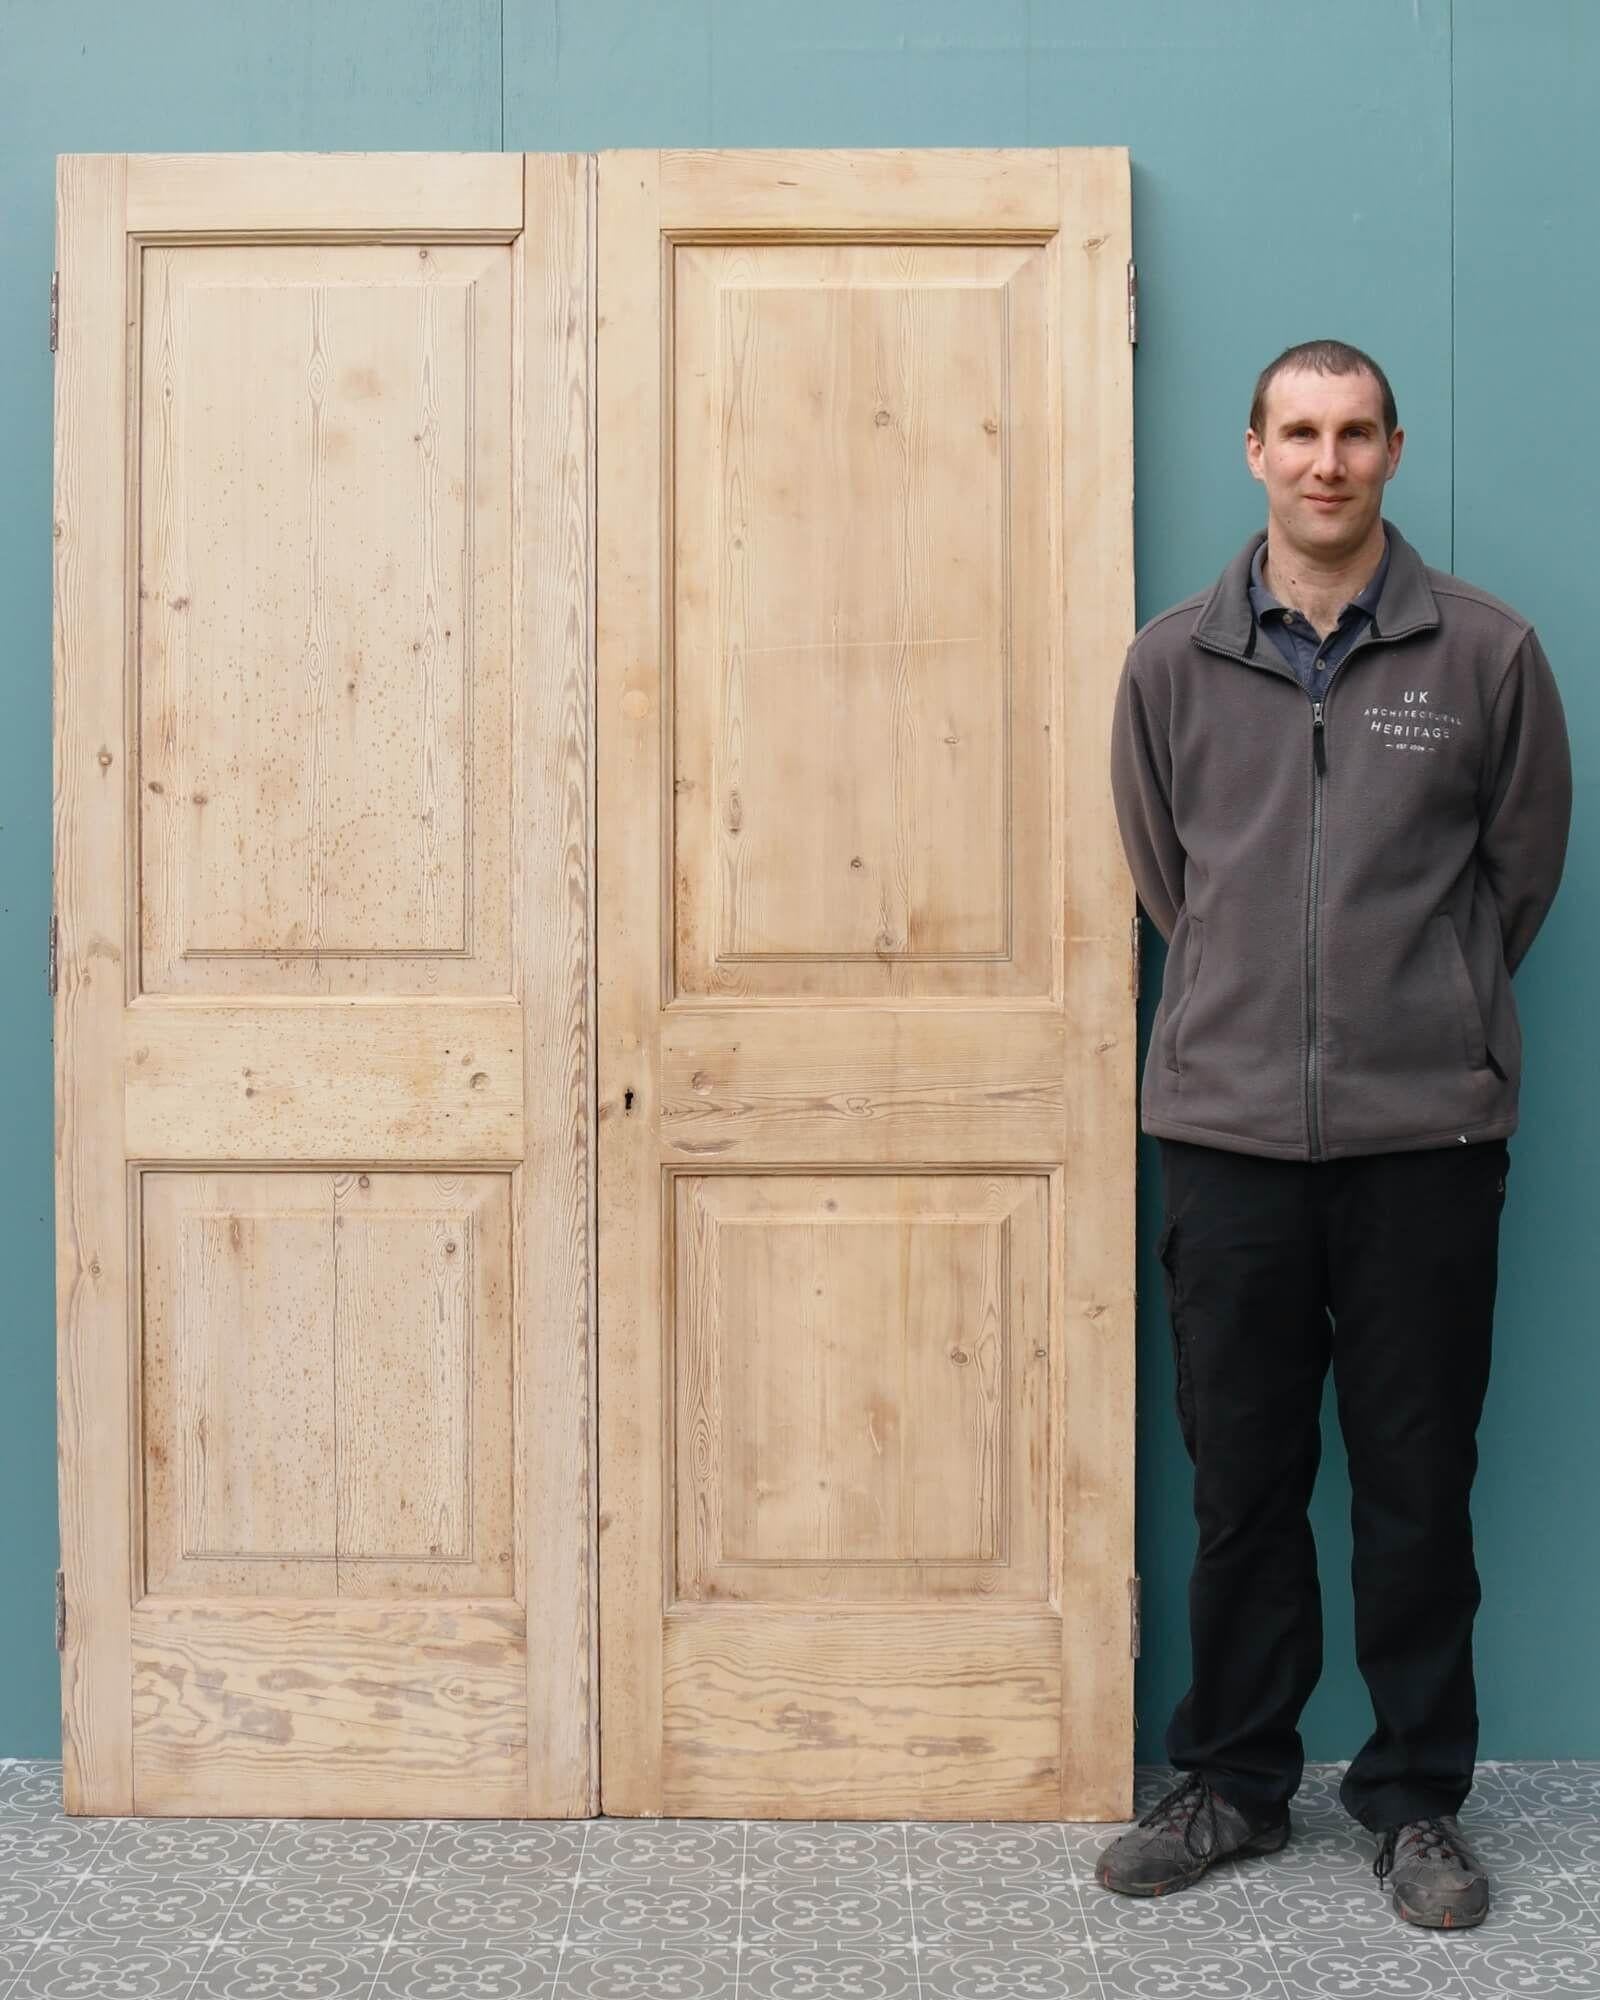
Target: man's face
(1324, 460)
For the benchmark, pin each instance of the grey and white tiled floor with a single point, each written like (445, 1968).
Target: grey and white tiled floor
(610, 1909)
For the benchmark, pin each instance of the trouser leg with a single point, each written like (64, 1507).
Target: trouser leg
(1413, 1249)
(1242, 1251)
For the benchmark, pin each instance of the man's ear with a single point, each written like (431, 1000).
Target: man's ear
(1252, 454)
(1397, 444)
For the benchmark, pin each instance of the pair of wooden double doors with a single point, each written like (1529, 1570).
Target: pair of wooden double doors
(594, 984)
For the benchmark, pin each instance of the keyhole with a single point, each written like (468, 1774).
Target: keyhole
(627, 1100)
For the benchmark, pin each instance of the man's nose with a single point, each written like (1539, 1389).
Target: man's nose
(1329, 462)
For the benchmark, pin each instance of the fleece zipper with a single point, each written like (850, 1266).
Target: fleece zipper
(1319, 772)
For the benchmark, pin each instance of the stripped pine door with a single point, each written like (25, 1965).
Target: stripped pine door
(323, 666)
(866, 993)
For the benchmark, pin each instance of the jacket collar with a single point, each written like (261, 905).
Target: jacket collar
(1227, 621)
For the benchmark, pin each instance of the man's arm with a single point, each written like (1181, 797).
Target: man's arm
(1525, 821)
(1141, 789)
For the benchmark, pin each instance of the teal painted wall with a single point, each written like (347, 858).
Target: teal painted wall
(1412, 175)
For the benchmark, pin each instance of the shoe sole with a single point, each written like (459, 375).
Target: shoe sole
(1447, 1920)
(1271, 1840)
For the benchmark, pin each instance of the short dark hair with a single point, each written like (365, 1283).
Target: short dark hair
(1323, 357)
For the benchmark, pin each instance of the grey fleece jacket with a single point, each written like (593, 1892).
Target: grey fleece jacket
(1345, 886)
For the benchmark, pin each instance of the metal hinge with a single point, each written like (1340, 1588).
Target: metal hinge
(61, 1610)
(55, 309)
(1133, 1616)
(1133, 303)
(1138, 949)
(55, 948)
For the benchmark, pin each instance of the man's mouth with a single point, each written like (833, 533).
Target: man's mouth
(1327, 499)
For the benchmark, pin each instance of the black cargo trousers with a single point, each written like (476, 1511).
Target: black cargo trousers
(1401, 1250)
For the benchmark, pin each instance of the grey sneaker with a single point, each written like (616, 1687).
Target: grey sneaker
(1179, 1838)
(1438, 1881)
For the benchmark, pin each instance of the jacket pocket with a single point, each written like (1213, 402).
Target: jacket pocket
(1469, 1015)
(1194, 952)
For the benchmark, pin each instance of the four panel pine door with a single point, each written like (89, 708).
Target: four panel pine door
(384, 727)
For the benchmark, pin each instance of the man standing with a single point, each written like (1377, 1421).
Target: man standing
(1343, 785)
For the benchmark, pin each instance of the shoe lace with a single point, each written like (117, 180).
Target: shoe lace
(1182, 1809)
(1428, 1839)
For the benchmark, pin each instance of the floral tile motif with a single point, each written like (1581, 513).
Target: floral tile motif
(314, 1906)
(847, 1972)
(1002, 1912)
(691, 1913)
(48, 1846)
(1410, 1967)
(997, 1851)
(134, 1906)
(658, 1971)
(833, 1849)
(1237, 1970)
(178, 1846)
(823, 1912)
(443, 1972)
(111, 1971)
(543, 1847)
(1215, 1908)
(302, 1969)
(664, 1848)
(503, 1908)
(1547, 1971)
(1026, 1973)
(351, 1849)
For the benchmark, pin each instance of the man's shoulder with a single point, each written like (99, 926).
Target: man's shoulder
(1456, 597)
(1172, 625)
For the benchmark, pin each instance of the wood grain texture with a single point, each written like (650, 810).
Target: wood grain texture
(1100, 998)
(299, 1708)
(303, 194)
(864, 552)
(88, 816)
(629, 862)
(554, 732)
(821, 1085)
(860, 191)
(324, 666)
(906, 1714)
(386, 1080)
(325, 1154)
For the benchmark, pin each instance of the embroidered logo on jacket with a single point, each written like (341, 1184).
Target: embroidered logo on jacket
(1414, 726)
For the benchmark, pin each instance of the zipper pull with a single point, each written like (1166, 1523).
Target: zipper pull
(1319, 754)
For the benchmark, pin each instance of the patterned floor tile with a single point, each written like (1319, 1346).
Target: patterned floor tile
(659, 1971)
(1027, 1973)
(831, 1848)
(132, 1907)
(534, 1847)
(848, 1972)
(347, 1848)
(456, 1908)
(1214, 1909)
(1485, 1970)
(1409, 1967)
(1334, 1911)
(999, 1912)
(996, 1851)
(694, 1913)
(480, 1970)
(1233, 1971)
(312, 1906)
(846, 1911)
(37, 1846)
(301, 1969)
(180, 1846)
(109, 1972)
(1563, 1789)
(664, 1848)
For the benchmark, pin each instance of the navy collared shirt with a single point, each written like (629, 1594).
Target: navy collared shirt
(1314, 659)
